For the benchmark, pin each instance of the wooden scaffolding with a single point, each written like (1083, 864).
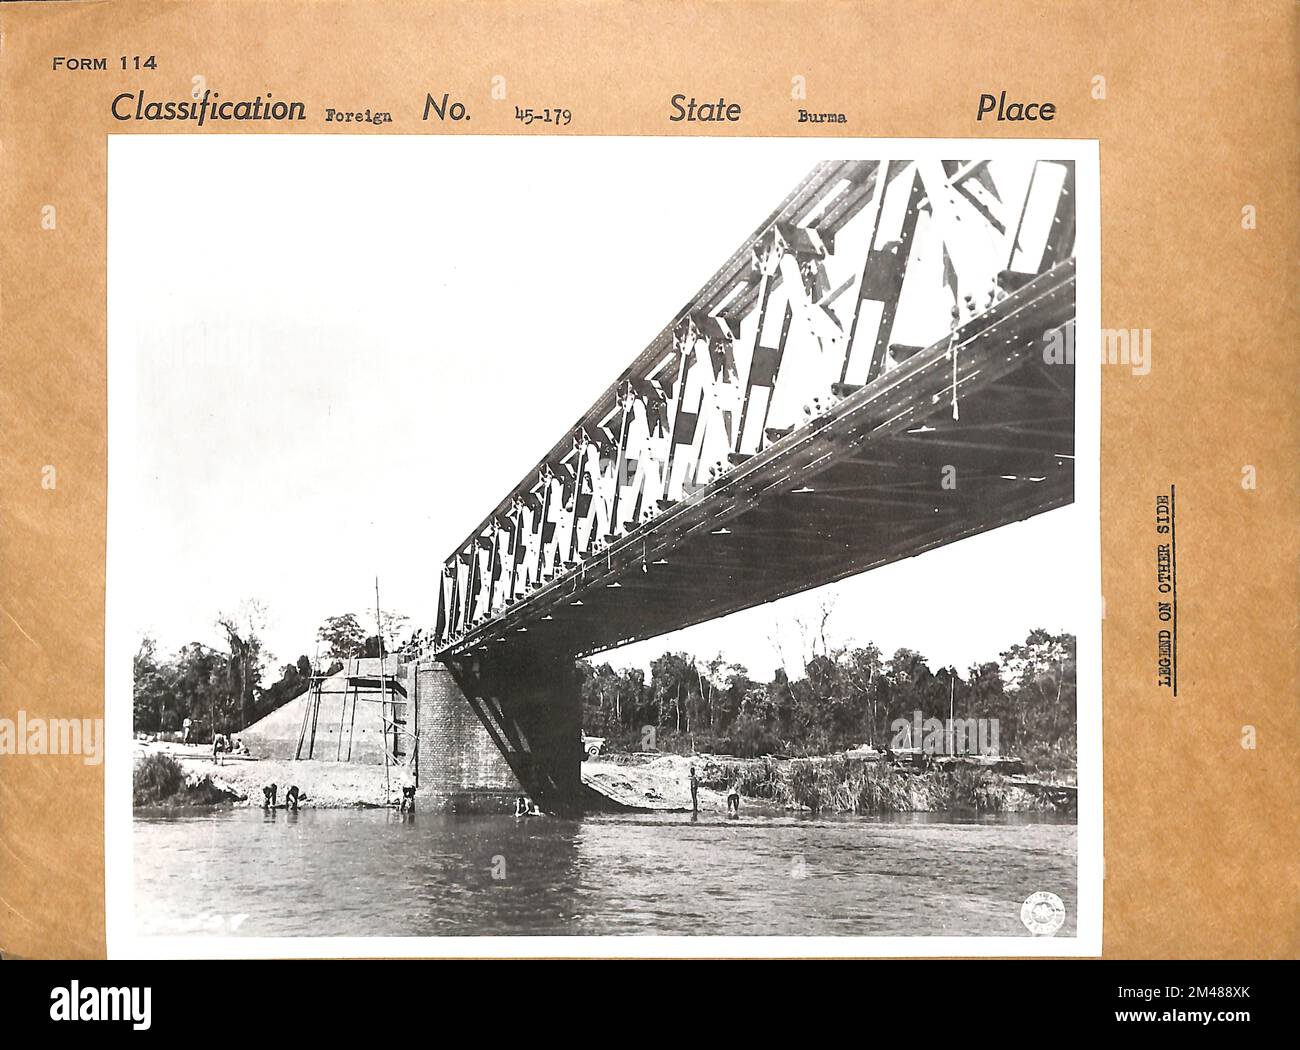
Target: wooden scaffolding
(398, 718)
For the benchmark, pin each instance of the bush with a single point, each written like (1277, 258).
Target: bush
(159, 780)
(156, 779)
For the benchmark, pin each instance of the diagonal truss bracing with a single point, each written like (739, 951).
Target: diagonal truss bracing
(880, 332)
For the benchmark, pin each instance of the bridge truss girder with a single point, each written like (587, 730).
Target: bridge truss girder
(680, 496)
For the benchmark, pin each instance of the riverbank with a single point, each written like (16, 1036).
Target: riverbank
(326, 785)
(831, 784)
(661, 783)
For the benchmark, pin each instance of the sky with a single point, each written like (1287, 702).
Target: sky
(333, 355)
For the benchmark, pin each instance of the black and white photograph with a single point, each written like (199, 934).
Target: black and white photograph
(635, 546)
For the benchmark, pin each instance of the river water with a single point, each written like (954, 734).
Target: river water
(376, 873)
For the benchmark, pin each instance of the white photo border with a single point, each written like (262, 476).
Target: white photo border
(123, 940)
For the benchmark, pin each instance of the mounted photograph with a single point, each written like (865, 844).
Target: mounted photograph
(638, 546)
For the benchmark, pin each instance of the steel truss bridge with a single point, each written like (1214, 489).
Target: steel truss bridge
(863, 380)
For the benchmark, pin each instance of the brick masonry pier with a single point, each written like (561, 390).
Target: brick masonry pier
(461, 768)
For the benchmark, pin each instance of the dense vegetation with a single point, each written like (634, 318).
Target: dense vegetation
(225, 688)
(846, 697)
(203, 684)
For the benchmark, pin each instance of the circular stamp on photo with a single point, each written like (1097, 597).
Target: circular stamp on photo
(1043, 913)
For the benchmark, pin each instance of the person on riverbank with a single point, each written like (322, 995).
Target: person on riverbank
(188, 726)
(268, 796)
(695, 791)
(292, 797)
(733, 801)
(521, 806)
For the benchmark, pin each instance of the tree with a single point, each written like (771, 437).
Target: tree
(613, 702)
(674, 681)
(392, 628)
(200, 676)
(599, 688)
(343, 637)
(845, 696)
(152, 692)
(986, 696)
(908, 686)
(244, 671)
(864, 669)
(1041, 680)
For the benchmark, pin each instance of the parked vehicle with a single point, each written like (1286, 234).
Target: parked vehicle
(592, 745)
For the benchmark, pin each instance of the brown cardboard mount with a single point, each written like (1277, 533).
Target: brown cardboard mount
(1196, 119)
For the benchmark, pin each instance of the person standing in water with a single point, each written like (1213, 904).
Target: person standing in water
(408, 785)
(695, 791)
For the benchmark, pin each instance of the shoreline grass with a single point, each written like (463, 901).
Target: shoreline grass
(838, 784)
